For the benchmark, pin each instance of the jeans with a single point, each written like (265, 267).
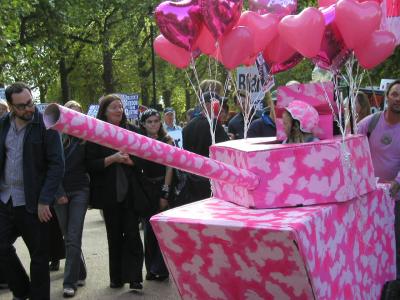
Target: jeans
(14, 222)
(71, 217)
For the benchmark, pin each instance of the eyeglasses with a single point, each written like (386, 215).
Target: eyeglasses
(29, 104)
(152, 121)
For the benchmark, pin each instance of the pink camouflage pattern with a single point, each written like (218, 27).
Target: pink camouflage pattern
(315, 94)
(218, 250)
(91, 129)
(297, 174)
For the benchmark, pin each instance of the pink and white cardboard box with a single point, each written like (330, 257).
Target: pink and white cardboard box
(215, 249)
(297, 174)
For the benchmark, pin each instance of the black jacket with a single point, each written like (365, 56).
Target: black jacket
(197, 138)
(43, 161)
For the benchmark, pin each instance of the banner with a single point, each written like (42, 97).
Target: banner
(42, 106)
(131, 105)
(2, 94)
(92, 111)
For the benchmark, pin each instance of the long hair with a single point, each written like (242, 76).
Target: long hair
(161, 134)
(365, 107)
(296, 135)
(104, 103)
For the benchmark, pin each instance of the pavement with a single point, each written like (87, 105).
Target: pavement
(96, 254)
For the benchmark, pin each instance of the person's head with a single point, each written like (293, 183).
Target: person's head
(150, 123)
(393, 97)
(189, 114)
(3, 108)
(208, 98)
(74, 105)
(19, 99)
(210, 85)
(299, 118)
(111, 110)
(224, 114)
(169, 116)
(363, 108)
(241, 99)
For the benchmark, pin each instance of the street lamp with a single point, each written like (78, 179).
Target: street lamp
(153, 66)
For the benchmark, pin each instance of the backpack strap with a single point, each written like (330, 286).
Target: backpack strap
(372, 123)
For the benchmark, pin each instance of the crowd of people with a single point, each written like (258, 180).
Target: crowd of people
(49, 179)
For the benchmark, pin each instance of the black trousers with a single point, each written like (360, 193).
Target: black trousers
(14, 222)
(125, 248)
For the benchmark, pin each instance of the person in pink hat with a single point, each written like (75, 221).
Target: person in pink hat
(300, 120)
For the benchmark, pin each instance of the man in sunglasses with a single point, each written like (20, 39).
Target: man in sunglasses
(31, 170)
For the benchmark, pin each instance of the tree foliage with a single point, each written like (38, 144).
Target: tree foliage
(73, 49)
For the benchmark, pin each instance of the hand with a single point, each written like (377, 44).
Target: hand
(394, 188)
(44, 213)
(62, 200)
(231, 136)
(128, 161)
(163, 204)
(119, 157)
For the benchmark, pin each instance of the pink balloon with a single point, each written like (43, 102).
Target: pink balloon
(250, 61)
(378, 48)
(236, 47)
(279, 7)
(286, 65)
(173, 54)
(278, 51)
(304, 31)
(205, 42)
(333, 53)
(356, 21)
(263, 27)
(180, 22)
(220, 15)
(325, 3)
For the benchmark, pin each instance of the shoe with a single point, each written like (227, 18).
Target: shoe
(152, 276)
(116, 285)
(68, 292)
(81, 282)
(54, 265)
(135, 286)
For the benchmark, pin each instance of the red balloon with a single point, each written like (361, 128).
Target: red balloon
(356, 21)
(250, 61)
(180, 22)
(236, 47)
(263, 27)
(304, 31)
(205, 42)
(220, 15)
(325, 3)
(173, 54)
(278, 51)
(379, 47)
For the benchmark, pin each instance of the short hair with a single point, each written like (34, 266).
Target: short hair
(16, 88)
(392, 84)
(104, 103)
(72, 103)
(210, 85)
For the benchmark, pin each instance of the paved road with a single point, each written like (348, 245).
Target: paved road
(96, 254)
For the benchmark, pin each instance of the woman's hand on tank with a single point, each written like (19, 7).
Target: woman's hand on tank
(163, 204)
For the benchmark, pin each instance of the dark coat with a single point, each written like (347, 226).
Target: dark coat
(103, 184)
(43, 161)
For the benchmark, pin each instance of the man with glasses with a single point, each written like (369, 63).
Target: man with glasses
(31, 170)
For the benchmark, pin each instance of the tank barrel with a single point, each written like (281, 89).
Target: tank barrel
(91, 129)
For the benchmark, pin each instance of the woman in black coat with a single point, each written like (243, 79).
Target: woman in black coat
(111, 190)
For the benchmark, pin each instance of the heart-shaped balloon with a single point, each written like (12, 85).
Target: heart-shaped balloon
(379, 47)
(236, 47)
(278, 51)
(173, 54)
(304, 31)
(180, 22)
(333, 53)
(205, 42)
(356, 21)
(286, 65)
(220, 15)
(263, 27)
(278, 7)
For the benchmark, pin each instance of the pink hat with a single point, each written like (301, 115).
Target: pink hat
(306, 114)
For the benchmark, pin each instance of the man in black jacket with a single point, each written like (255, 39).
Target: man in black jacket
(197, 138)
(31, 170)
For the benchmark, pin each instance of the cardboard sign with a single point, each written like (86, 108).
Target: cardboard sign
(131, 105)
(2, 94)
(93, 109)
(177, 136)
(42, 106)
